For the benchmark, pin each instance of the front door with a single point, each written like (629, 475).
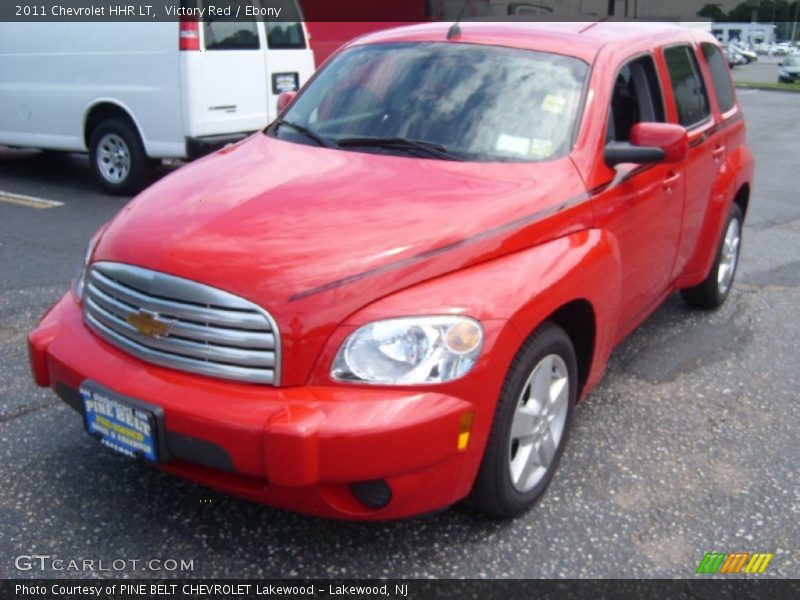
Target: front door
(643, 212)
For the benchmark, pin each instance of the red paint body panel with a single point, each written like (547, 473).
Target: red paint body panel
(249, 206)
(327, 241)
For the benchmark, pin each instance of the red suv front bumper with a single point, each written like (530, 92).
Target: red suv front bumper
(299, 448)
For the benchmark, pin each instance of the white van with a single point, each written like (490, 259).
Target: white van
(134, 93)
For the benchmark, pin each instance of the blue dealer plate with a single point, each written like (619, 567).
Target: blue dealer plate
(119, 426)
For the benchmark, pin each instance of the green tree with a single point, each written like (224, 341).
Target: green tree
(713, 12)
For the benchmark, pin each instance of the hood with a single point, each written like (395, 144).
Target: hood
(314, 234)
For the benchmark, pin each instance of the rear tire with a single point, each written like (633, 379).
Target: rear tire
(714, 289)
(531, 424)
(118, 159)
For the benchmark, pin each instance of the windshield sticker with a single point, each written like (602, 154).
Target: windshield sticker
(554, 104)
(541, 148)
(513, 144)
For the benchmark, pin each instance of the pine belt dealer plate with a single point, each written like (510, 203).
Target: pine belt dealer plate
(118, 425)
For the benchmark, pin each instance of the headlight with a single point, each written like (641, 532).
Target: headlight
(80, 280)
(409, 351)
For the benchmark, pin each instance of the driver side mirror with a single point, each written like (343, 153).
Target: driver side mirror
(285, 99)
(649, 143)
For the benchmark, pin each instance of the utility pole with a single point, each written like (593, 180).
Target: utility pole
(753, 19)
(794, 24)
(754, 10)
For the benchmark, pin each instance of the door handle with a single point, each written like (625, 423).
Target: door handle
(671, 181)
(718, 152)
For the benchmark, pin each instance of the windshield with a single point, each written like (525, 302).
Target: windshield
(480, 103)
(792, 62)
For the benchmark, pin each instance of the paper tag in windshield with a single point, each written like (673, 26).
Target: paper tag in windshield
(554, 104)
(541, 148)
(513, 144)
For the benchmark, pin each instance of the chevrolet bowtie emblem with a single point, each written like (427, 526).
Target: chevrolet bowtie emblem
(149, 324)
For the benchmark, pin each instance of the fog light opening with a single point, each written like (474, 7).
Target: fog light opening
(373, 494)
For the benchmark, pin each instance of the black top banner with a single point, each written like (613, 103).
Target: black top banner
(397, 10)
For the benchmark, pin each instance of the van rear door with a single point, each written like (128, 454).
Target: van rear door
(290, 60)
(224, 83)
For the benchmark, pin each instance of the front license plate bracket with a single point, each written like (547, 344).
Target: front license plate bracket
(126, 425)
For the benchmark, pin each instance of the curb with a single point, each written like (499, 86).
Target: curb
(748, 85)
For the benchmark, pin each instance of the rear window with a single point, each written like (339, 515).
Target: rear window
(285, 36)
(288, 33)
(224, 34)
(719, 77)
(687, 85)
(451, 10)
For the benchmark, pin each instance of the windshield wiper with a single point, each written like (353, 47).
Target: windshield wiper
(430, 148)
(309, 133)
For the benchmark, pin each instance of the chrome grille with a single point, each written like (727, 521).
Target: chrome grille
(203, 329)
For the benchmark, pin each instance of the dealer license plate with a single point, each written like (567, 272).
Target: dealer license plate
(126, 429)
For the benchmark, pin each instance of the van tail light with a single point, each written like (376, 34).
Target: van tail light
(188, 34)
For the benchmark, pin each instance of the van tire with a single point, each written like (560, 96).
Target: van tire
(118, 159)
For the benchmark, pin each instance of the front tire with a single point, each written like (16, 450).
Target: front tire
(118, 159)
(531, 424)
(715, 288)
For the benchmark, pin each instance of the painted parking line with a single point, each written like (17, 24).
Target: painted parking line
(29, 201)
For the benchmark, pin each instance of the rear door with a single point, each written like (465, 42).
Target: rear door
(691, 108)
(289, 59)
(731, 121)
(225, 84)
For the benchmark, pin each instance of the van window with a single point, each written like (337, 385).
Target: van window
(451, 10)
(224, 34)
(719, 77)
(285, 36)
(636, 98)
(687, 85)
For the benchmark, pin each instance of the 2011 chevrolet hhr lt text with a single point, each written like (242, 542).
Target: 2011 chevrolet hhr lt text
(392, 298)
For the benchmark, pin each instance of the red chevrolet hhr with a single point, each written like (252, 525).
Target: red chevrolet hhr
(393, 297)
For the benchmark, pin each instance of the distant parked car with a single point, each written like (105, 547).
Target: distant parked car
(734, 56)
(789, 70)
(738, 55)
(781, 49)
(748, 55)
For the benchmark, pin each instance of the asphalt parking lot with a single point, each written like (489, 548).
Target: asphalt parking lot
(689, 445)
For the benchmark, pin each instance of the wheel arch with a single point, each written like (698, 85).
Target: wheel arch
(742, 198)
(578, 319)
(106, 108)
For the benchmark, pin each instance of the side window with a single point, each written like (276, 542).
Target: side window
(687, 85)
(636, 98)
(726, 98)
